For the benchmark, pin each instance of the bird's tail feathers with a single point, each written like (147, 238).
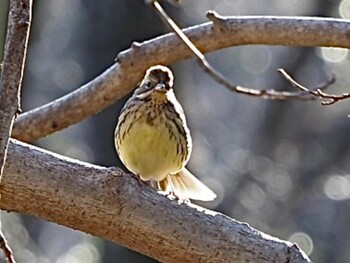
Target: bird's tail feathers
(185, 185)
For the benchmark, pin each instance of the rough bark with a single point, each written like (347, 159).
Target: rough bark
(11, 81)
(12, 69)
(108, 203)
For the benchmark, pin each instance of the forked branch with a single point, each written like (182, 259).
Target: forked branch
(221, 79)
(327, 99)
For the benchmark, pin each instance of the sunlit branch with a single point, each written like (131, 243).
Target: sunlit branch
(131, 64)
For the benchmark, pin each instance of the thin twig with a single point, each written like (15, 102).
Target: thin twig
(217, 76)
(6, 249)
(317, 93)
(172, 2)
(11, 82)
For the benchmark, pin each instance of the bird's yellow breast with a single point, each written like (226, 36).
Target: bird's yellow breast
(149, 149)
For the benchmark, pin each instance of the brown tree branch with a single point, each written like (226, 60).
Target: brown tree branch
(221, 79)
(123, 76)
(11, 81)
(109, 203)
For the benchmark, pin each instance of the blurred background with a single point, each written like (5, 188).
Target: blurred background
(281, 166)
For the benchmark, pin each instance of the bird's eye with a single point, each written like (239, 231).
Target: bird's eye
(148, 84)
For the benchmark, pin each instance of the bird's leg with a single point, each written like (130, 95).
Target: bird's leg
(173, 194)
(140, 181)
(161, 187)
(171, 191)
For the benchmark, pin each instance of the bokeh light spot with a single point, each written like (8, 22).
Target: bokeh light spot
(252, 197)
(337, 187)
(68, 73)
(303, 240)
(83, 252)
(279, 183)
(344, 9)
(256, 59)
(333, 55)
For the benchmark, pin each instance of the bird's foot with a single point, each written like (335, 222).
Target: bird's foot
(173, 196)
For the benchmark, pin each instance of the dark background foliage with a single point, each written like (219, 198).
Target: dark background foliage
(281, 166)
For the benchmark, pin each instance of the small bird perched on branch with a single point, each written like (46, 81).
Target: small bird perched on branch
(152, 138)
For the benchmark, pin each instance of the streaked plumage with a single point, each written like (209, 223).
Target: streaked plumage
(152, 138)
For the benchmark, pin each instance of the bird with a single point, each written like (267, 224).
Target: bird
(153, 141)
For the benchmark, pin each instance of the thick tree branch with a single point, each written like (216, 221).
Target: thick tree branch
(11, 80)
(123, 76)
(108, 203)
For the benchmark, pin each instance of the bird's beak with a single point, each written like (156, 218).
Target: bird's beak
(161, 87)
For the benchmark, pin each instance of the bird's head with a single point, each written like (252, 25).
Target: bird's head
(158, 81)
